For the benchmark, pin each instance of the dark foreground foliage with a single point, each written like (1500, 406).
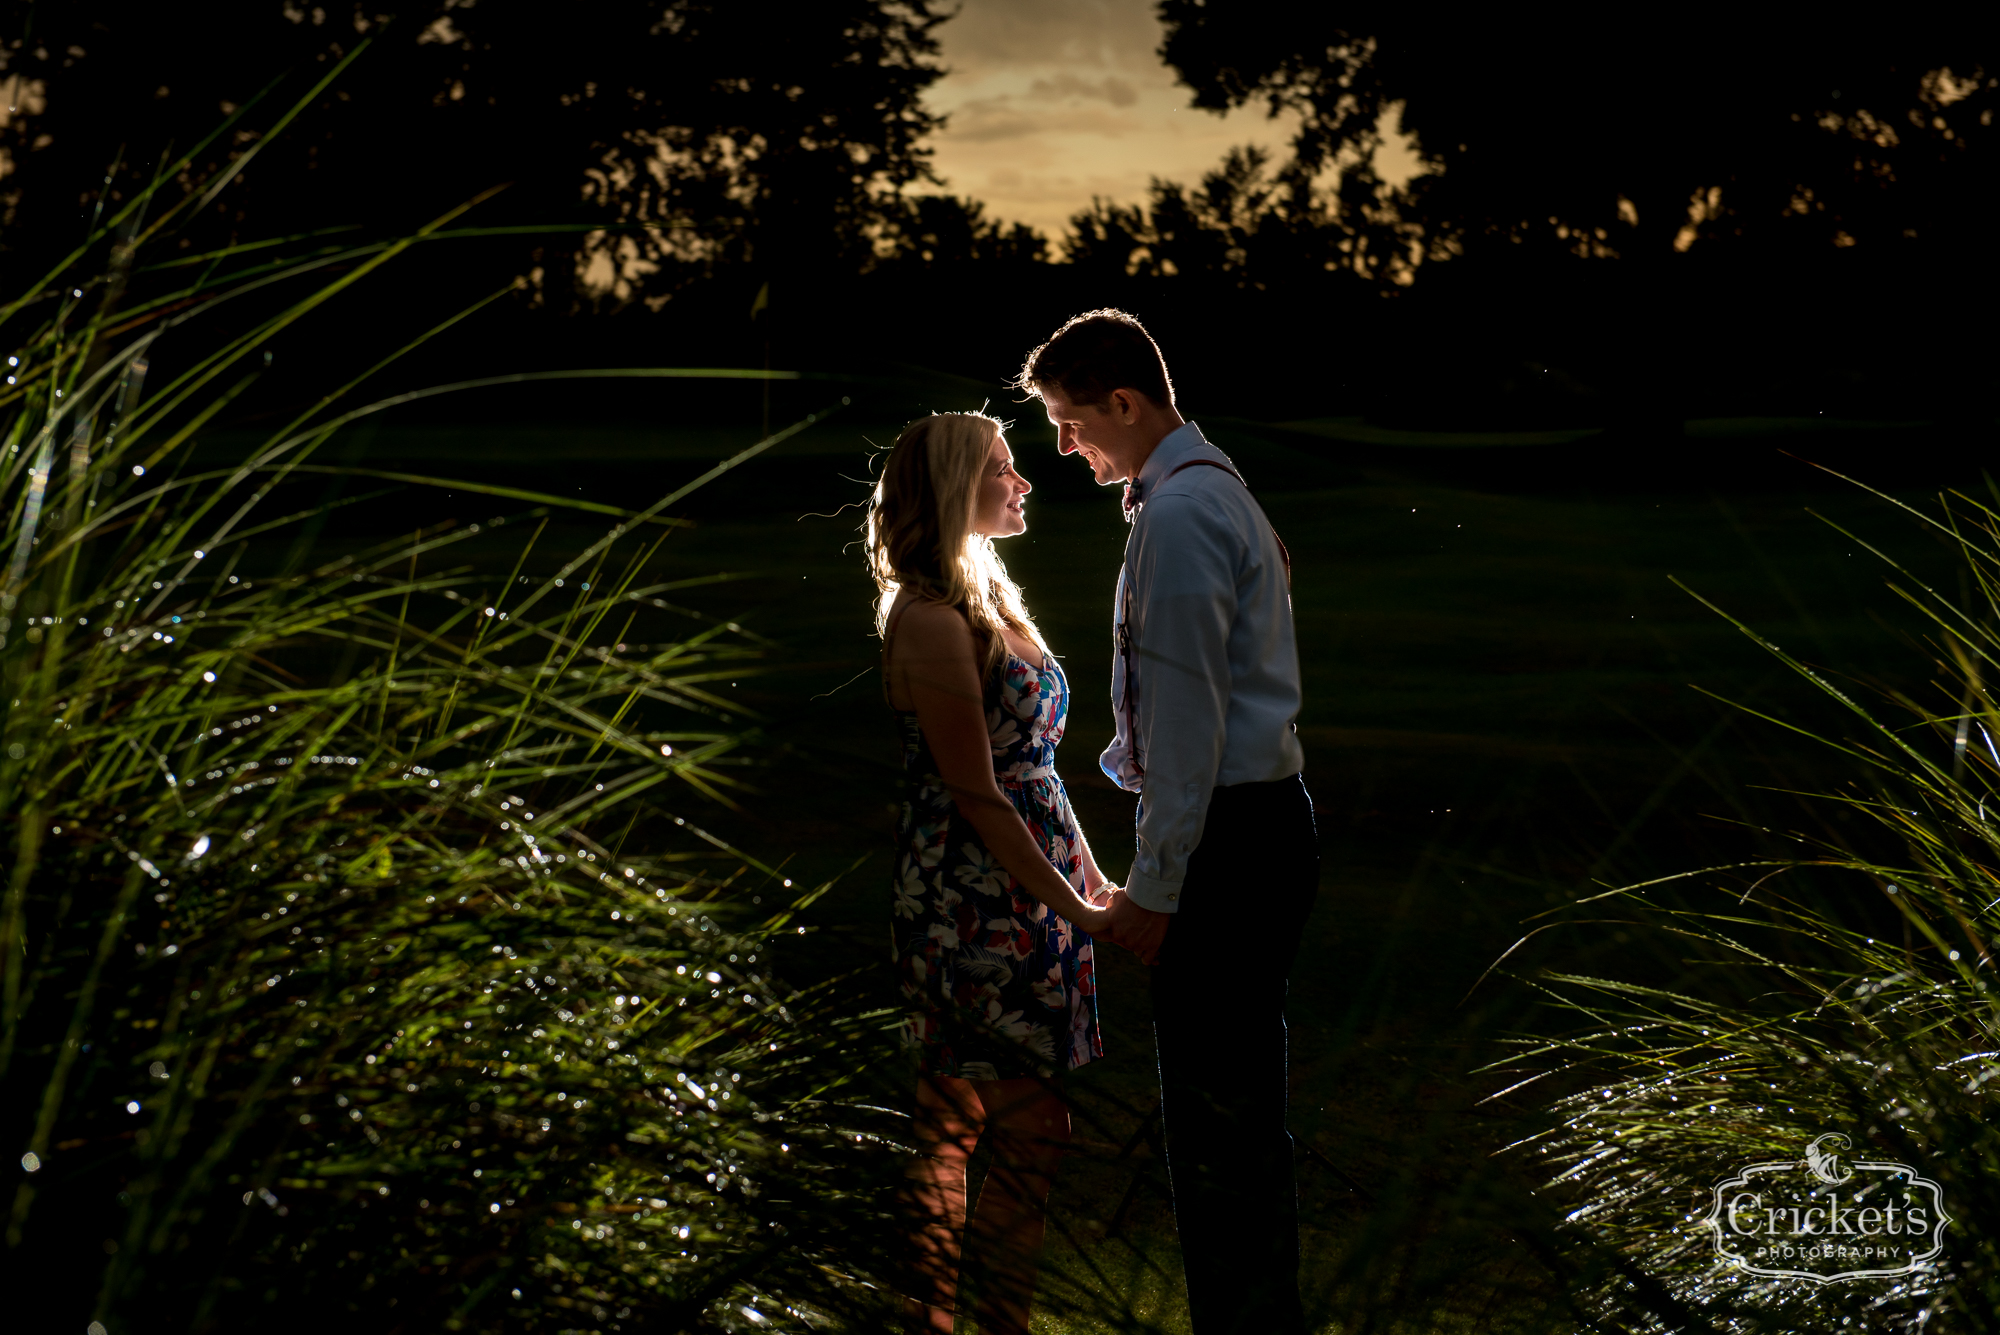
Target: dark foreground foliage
(362, 965)
(1843, 986)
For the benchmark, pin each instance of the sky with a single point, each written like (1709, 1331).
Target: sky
(1053, 102)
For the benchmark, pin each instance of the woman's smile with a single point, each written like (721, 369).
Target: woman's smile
(997, 505)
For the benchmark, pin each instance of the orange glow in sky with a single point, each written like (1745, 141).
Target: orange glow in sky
(1052, 102)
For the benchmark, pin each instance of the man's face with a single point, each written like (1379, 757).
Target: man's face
(1091, 430)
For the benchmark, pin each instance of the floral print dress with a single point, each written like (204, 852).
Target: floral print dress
(998, 986)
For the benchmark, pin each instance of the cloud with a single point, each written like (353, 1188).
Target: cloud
(1010, 34)
(983, 120)
(987, 120)
(1050, 103)
(1111, 89)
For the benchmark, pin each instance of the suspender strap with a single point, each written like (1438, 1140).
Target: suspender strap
(1283, 550)
(1131, 700)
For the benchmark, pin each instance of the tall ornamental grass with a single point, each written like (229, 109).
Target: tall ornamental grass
(364, 964)
(1844, 986)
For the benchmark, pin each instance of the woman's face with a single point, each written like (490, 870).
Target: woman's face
(996, 508)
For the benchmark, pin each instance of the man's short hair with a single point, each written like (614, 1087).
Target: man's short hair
(1096, 353)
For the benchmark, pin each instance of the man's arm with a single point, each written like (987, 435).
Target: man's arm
(1183, 570)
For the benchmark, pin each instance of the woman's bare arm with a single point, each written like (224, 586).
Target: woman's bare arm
(1092, 877)
(934, 661)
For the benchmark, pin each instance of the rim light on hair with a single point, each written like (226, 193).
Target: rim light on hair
(919, 531)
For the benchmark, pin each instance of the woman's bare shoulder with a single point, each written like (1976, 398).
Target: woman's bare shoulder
(931, 625)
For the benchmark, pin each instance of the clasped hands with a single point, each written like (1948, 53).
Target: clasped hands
(1128, 924)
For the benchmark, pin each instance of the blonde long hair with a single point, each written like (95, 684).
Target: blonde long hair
(919, 531)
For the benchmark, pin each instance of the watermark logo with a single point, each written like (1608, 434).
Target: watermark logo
(1827, 1217)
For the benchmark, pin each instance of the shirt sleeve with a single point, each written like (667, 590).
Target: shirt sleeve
(1183, 571)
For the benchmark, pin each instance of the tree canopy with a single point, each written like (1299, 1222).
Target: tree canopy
(1629, 132)
(686, 133)
(1246, 225)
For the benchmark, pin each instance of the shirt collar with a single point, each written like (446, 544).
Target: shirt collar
(1174, 449)
(1184, 442)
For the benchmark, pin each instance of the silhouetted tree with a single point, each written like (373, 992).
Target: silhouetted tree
(1246, 226)
(693, 132)
(947, 229)
(1629, 131)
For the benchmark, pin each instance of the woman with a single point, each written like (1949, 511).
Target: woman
(995, 887)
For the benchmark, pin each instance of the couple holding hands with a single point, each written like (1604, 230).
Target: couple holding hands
(997, 897)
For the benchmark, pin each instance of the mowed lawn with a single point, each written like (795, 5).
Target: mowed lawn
(1500, 716)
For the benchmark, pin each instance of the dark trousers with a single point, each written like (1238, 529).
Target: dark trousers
(1219, 1021)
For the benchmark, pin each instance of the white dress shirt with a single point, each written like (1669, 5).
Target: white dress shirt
(1211, 660)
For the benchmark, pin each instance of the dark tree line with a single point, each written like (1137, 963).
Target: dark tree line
(1737, 190)
(681, 138)
(1626, 217)
(1249, 225)
(1560, 134)
(1617, 132)
(674, 138)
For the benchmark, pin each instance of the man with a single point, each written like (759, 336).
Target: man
(1206, 688)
